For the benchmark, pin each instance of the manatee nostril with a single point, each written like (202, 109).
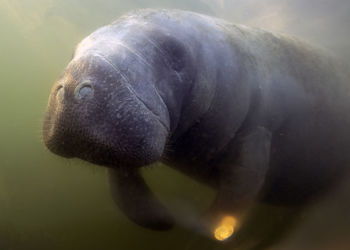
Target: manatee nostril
(60, 92)
(83, 90)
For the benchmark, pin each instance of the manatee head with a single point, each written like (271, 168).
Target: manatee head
(100, 114)
(117, 104)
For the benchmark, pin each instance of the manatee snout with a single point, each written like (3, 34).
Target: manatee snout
(93, 115)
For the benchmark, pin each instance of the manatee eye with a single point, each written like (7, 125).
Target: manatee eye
(83, 90)
(60, 93)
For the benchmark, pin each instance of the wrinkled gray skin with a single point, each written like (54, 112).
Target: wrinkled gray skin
(253, 114)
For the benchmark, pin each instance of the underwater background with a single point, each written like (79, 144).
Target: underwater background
(47, 202)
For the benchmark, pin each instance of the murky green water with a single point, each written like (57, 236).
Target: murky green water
(51, 203)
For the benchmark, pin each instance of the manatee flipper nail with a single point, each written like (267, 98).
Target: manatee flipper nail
(136, 200)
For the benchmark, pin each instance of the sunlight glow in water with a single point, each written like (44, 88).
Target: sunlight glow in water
(225, 229)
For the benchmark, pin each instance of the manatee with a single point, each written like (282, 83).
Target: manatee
(256, 115)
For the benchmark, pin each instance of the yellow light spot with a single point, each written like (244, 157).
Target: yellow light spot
(226, 228)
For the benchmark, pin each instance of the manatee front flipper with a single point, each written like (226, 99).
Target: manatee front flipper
(136, 200)
(241, 181)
